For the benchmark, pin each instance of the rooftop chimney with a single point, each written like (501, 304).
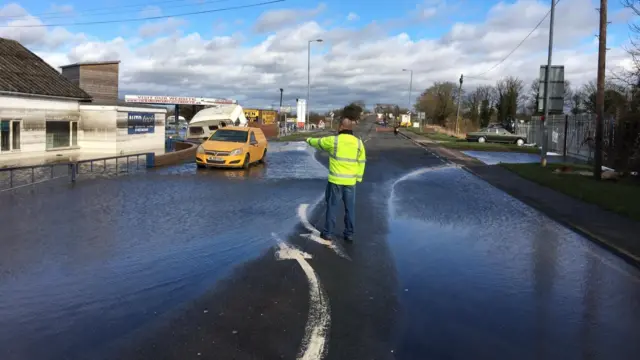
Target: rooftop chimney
(98, 79)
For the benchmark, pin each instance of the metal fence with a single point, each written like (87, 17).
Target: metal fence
(570, 135)
(21, 176)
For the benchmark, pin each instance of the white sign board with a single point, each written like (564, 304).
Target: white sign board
(554, 136)
(301, 111)
(285, 109)
(421, 115)
(175, 100)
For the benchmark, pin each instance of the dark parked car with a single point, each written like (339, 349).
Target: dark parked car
(496, 134)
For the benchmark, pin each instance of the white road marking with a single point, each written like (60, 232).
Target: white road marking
(314, 234)
(314, 344)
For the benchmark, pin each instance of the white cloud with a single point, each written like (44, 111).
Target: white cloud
(352, 16)
(351, 63)
(160, 27)
(48, 38)
(278, 19)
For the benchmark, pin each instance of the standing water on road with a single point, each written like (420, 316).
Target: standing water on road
(81, 268)
(493, 276)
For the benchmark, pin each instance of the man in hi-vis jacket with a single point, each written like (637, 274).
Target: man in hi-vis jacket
(346, 167)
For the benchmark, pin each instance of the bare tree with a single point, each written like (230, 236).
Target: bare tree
(510, 92)
(438, 101)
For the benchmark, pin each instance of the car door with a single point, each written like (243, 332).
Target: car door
(492, 135)
(254, 149)
(506, 136)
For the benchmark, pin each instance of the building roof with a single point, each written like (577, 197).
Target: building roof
(23, 72)
(91, 63)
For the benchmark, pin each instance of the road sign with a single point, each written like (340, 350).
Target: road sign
(556, 89)
(332, 114)
(176, 100)
(285, 109)
(421, 115)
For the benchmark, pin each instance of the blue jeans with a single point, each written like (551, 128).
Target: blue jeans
(332, 196)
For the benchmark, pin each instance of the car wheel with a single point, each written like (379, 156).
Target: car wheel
(520, 142)
(200, 166)
(481, 139)
(264, 157)
(247, 162)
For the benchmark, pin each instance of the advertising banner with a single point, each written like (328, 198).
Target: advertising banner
(175, 100)
(269, 117)
(140, 123)
(251, 114)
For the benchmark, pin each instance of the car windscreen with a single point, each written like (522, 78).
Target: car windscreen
(230, 136)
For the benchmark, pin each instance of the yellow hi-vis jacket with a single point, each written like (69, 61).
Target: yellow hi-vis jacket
(347, 157)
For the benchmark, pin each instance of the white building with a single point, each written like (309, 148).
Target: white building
(43, 112)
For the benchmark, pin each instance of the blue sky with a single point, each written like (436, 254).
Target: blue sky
(467, 11)
(443, 39)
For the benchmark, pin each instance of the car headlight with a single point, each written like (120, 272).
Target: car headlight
(200, 150)
(235, 152)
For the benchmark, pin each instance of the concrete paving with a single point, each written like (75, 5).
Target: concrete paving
(179, 264)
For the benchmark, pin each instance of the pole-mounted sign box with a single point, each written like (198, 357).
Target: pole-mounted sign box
(556, 89)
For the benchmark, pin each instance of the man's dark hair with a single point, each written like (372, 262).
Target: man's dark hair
(351, 112)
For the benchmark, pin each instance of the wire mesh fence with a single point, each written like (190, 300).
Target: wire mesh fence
(574, 136)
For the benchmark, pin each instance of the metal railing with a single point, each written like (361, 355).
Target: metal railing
(21, 176)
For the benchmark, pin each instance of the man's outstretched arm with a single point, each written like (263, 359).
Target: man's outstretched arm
(323, 143)
(362, 160)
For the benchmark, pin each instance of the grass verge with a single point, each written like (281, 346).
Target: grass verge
(452, 142)
(475, 146)
(622, 197)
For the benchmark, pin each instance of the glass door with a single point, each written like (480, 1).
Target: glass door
(15, 135)
(74, 133)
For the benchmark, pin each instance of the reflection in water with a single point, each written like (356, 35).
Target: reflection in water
(544, 259)
(501, 281)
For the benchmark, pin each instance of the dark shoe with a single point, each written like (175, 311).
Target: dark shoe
(326, 237)
(348, 239)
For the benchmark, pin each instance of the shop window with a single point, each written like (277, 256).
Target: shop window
(58, 134)
(5, 130)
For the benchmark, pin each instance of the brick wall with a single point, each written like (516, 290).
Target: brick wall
(183, 152)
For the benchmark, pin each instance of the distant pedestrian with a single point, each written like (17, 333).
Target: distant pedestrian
(395, 130)
(347, 159)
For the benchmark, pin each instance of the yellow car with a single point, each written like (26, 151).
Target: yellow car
(234, 147)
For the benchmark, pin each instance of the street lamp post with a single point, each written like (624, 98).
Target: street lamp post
(410, 85)
(281, 125)
(306, 121)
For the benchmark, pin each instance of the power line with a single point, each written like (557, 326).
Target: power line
(91, 9)
(517, 47)
(109, 10)
(145, 18)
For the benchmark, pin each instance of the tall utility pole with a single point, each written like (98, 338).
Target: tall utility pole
(459, 98)
(543, 123)
(280, 109)
(602, 57)
(410, 86)
(306, 121)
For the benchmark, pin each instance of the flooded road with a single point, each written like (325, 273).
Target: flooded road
(112, 255)
(179, 263)
(499, 280)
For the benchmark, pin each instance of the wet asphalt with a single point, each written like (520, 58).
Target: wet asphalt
(179, 264)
